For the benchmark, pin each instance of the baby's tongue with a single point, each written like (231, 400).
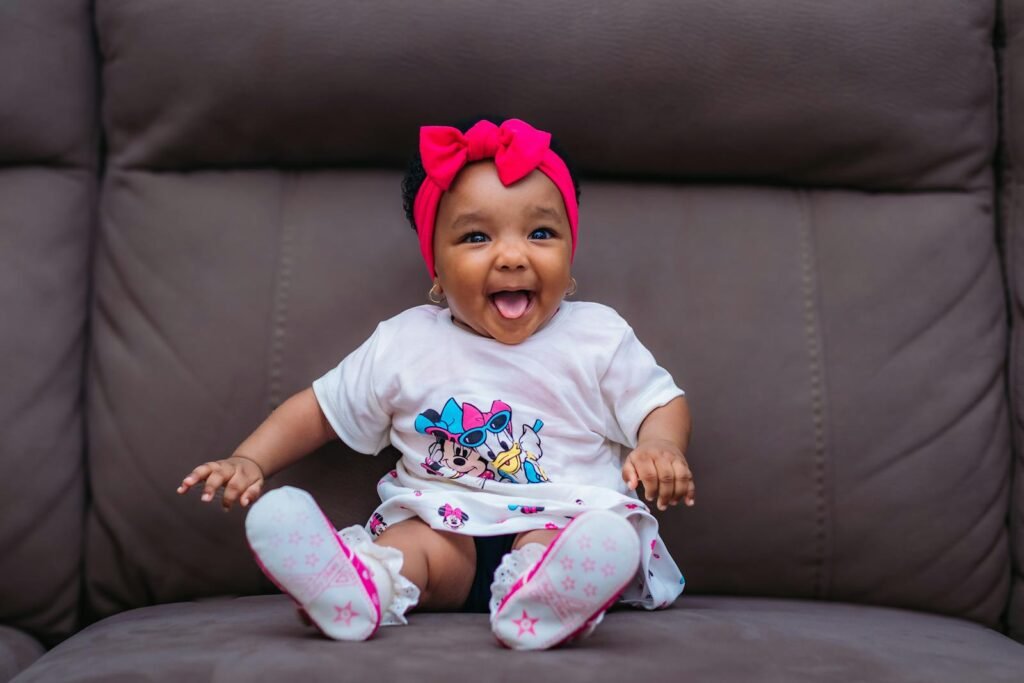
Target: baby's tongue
(511, 304)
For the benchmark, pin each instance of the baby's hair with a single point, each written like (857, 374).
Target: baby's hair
(414, 173)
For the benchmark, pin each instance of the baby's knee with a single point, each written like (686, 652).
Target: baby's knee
(441, 563)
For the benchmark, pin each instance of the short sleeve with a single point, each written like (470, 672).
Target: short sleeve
(347, 395)
(633, 385)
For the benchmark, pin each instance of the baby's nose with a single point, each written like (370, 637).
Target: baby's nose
(511, 257)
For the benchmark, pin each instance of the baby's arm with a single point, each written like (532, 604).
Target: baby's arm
(298, 427)
(658, 461)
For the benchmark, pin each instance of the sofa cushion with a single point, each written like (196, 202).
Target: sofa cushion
(865, 94)
(843, 357)
(705, 638)
(49, 139)
(17, 651)
(198, 339)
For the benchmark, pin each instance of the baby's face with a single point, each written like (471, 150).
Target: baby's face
(502, 253)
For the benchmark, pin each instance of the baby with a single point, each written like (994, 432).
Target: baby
(510, 408)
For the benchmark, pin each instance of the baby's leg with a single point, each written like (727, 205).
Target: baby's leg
(541, 536)
(441, 564)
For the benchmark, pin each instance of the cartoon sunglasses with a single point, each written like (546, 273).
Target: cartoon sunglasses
(471, 438)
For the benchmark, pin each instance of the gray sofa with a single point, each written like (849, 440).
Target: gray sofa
(810, 212)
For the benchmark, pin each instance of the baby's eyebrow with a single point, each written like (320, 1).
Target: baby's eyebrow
(545, 211)
(469, 217)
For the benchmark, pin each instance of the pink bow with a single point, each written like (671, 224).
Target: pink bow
(474, 417)
(449, 511)
(516, 147)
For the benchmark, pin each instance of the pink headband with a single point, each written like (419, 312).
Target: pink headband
(517, 149)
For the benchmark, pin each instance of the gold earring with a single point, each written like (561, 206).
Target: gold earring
(572, 287)
(435, 295)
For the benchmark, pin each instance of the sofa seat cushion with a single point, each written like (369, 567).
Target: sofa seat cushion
(17, 651)
(701, 638)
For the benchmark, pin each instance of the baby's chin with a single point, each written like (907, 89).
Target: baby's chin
(513, 338)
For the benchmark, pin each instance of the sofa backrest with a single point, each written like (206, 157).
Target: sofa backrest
(794, 208)
(49, 149)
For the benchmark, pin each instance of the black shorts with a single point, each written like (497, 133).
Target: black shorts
(489, 551)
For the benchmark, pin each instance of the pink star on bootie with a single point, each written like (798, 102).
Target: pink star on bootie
(340, 591)
(565, 593)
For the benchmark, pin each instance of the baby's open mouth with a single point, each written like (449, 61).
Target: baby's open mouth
(513, 304)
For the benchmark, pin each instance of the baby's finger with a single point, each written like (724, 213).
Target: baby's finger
(213, 483)
(194, 477)
(252, 493)
(234, 488)
(683, 483)
(648, 474)
(666, 482)
(629, 475)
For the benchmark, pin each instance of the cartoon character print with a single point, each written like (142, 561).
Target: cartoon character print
(447, 451)
(377, 525)
(481, 444)
(453, 518)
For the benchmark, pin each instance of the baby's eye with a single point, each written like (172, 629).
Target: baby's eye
(542, 234)
(474, 237)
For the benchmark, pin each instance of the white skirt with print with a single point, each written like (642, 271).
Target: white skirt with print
(478, 507)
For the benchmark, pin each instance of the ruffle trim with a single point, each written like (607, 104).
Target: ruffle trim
(512, 566)
(405, 594)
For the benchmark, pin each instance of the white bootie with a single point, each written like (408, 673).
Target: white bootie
(564, 594)
(344, 593)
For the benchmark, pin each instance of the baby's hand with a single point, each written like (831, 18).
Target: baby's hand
(239, 476)
(661, 467)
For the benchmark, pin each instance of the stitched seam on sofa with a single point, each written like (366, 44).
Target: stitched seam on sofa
(1009, 193)
(282, 289)
(1006, 222)
(1003, 205)
(812, 334)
